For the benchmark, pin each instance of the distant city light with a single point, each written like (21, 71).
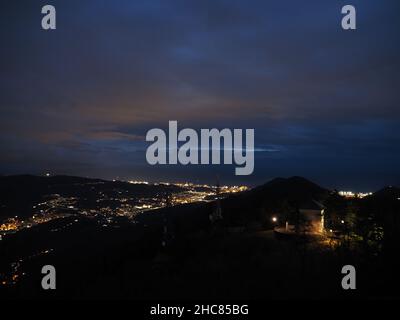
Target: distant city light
(137, 182)
(351, 194)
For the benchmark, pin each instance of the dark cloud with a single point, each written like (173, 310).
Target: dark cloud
(80, 99)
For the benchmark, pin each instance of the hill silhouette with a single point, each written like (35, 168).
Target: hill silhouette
(270, 197)
(387, 193)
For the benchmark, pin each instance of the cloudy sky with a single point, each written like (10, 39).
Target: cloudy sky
(324, 102)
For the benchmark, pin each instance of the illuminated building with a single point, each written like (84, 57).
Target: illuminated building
(313, 213)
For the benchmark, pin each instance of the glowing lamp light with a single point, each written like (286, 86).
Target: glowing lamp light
(342, 221)
(274, 219)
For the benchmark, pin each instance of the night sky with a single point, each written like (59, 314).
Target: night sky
(324, 102)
